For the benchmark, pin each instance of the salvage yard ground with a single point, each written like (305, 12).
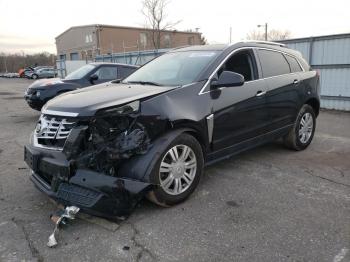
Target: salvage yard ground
(268, 204)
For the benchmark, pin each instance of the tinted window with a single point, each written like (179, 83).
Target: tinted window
(125, 71)
(273, 63)
(107, 73)
(294, 65)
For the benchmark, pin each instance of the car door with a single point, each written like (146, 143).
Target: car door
(105, 74)
(239, 112)
(282, 94)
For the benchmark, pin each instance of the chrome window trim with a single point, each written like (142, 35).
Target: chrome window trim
(59, 113)
(301, 66)
(243, 48)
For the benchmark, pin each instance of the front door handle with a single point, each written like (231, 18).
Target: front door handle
(260, 93)
(296, 81)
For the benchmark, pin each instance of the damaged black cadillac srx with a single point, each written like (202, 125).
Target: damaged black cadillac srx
(103, 148)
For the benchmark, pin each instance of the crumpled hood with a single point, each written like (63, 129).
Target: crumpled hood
(47, 83)
(86, 101)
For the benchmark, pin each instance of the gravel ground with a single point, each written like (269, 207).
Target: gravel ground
(268, 204)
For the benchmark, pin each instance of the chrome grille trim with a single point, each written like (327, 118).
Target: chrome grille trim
(51, 129)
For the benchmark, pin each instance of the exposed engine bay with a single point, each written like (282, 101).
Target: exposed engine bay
(105, 142)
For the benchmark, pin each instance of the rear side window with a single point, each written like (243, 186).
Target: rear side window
(273, 63)
(294, 65)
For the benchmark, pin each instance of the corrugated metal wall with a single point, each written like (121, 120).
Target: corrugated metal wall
(331, 56)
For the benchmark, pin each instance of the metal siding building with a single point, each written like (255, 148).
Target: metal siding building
(331, 56)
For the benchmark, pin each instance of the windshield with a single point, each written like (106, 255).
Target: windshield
(173, 69)
(80, 73)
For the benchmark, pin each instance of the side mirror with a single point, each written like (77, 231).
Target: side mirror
(228, 79)
(93, 78)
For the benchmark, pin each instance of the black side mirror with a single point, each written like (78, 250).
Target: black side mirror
(228, 79)
(93, 78)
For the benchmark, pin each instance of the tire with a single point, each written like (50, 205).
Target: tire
(166, 193)
(35, 76)
(303, 130)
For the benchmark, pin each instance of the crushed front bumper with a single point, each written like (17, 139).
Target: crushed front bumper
(93, 192)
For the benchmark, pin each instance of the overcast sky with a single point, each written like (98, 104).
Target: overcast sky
(31, 26)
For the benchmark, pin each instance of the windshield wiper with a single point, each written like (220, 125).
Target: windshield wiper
(144, 83)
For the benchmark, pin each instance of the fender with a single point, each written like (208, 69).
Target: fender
(141, 166)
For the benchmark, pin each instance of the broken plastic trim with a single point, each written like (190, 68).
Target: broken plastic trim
(69, 213)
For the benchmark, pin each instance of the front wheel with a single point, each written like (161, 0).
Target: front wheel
(302, 132)
(35, 76)
(177, 172)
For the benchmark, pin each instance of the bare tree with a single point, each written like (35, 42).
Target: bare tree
(272, 35)
(203, 40)
(155, 14)
(13, 62)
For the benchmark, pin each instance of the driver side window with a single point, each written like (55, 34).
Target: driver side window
(107, 73)
(242, 63)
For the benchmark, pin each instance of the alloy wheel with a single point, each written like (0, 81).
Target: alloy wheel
(177, 169)
(306, 128)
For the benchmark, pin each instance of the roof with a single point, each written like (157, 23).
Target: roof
(216, 47)
(124, 27)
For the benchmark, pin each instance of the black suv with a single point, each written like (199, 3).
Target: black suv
(103, 148)
(43, 90)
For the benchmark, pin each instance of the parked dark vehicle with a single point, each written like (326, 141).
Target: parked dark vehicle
(103, 148)
(42, 91)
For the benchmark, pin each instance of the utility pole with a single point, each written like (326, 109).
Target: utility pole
(230, 34)
(5, 58)
(265, 25)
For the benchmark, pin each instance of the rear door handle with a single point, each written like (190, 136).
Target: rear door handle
(260, 93)
(296, 81)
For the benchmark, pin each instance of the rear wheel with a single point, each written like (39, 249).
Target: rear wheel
(177, 172)
(302, 133)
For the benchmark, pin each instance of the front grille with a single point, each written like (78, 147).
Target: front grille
(52, 131)
(77, 195)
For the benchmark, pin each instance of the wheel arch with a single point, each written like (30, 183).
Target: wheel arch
(139, 167)
(315, 104)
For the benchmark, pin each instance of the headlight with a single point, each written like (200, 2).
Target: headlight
(130, 108)
(37, 93)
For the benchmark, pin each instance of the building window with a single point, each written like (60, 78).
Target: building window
(88, 38)
(167, 41)
(74, 56)
(63, 57)
(143, 40)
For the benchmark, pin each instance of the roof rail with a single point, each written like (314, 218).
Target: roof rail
(264, 42)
